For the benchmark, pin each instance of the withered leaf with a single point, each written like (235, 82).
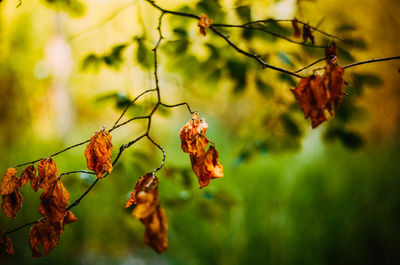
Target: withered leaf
(316, 94)
(207, 166)
(47, 173)
(156, 233)
(6, 246)
(10, 182)
(331, 53)
(149, 212)
(307, 34)
(193, 136)
(145, 196)
(69, 218)
(296, 29)
(45, 233)
(12, 203)
(98, 153)
(54, 201)
(29, 173)
(9, 189)
(204, 22)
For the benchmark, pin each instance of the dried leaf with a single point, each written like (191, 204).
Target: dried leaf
(10, 182)
(296, 29)
(47, 171)
(156, 233)
(45, 233)
(149, 212)
(29, 173)
(307, 34)
(54, 202)
(98, 153)
(6, 246)
(207, 167)
(193, 136)
(69, 218)
(12, 203)
(145, 196)
(331, 53)
(316, 94)
(204, 22)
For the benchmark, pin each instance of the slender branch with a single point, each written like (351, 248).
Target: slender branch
(308, 66)
(177, 105)
(163, 152)
(271, 33)
(372, 61)
(76, 171)
(20, 227)
(254, 56)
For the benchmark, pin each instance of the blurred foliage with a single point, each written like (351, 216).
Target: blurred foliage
(289, 196)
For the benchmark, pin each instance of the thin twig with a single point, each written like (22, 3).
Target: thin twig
(308, 66)
(177, 105)
(372, 61)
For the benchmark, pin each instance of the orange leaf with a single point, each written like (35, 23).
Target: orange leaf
(333, 80)
(193, 136)
(6, 246)
(54, 202)
(69, 218)
(296, 29)
(12, 203)
(46, 234)
(331, 53)
(204, 22)
(10, 182)
(47, 171)
(9, 189)
(156, 233)
(207, 167)
(98, 153)
(29, 173)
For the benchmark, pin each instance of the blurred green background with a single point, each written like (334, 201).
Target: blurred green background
(290, 195)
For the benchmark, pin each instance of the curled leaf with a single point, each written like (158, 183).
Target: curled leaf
(6, 246)
(98, 153)
(331, 53)
(307, 34)
(149, 212)
(207, 166)
(193, 136)
(12, 203)
(204, 22)
(45, 233)
(156, 233)
(54, 202)
(9, 182)
(296, 29)
(316, 94)
(47, 173)
(29, 173)
(9, 189)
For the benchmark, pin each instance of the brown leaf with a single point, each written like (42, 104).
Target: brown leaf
(207, 167)
(29, 173)
(149, 212)
(69, 218)
(296, 29)
(6, 246)
(12, 203)
(47, 173)
(45, 233)
(316, 94)
(156, 233)
(145, 196)
(54, 202)
(331, 53)
(307, 34)
(10, 182)
(204, 22)
(98, 153)
(193, 136)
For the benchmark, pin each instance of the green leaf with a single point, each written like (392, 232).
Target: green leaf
(264, 88)
(91, 60)
(290, 125)
(244, 13)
